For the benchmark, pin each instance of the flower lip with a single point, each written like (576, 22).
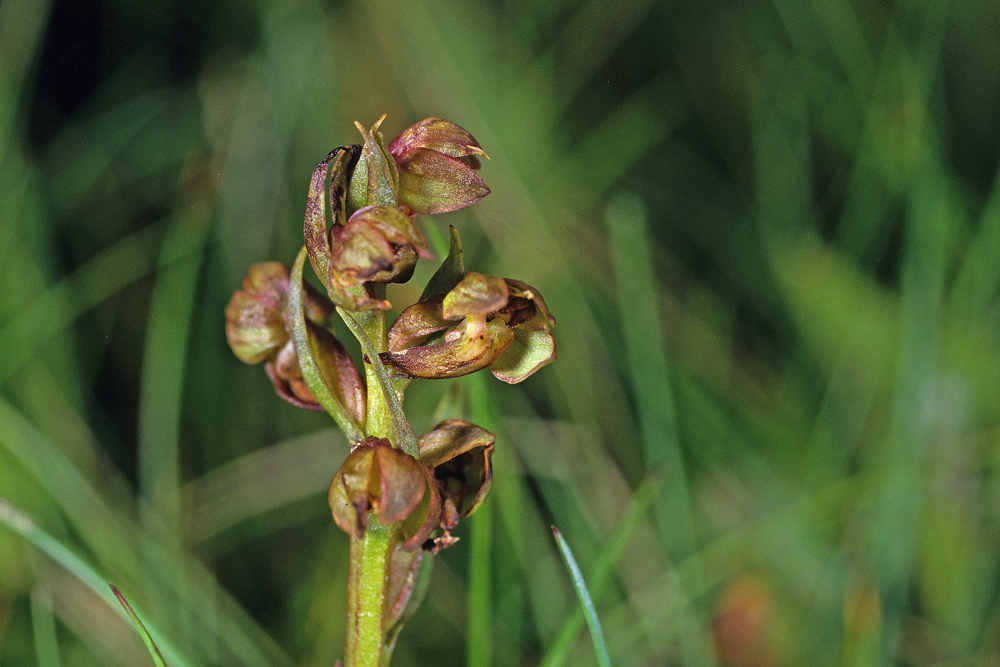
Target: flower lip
(502, 324)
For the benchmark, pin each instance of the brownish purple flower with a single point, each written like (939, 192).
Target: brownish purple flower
(484, 321)
(258, 328)
(459, 455)
(397, 487)
(379, 244)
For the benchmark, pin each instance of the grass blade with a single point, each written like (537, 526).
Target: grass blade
(154, 652)
(23, 525)
(603, 567)
(43, 627)
(648, 366)
(589, 613)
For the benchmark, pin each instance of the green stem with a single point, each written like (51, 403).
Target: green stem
(387, 406)
(370, 555)
(368, 579)
(371, 335)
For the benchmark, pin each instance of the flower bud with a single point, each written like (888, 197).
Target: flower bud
(375, 180)
(436, 160)
(378, 244)
(376, 477)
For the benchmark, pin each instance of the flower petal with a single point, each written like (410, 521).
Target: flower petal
(476, 294)
(416, 323)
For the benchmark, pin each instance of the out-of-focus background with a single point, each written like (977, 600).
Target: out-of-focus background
(769, 232)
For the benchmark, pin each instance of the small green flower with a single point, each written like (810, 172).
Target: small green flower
(378, 242)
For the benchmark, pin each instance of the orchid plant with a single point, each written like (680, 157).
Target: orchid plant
(399, 497)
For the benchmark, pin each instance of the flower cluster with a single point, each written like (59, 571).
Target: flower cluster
(360, 234)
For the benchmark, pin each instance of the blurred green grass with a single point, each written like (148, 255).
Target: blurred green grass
(768, 230)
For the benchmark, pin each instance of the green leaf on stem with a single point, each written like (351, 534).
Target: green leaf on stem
(451, 271)
(349, 421)
(409, 576)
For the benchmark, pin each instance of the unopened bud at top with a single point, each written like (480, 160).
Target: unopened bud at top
(436, 160)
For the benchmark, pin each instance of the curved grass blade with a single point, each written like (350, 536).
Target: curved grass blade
(43, 628)
(23, 525)
(589, 613)
(154, 652)
(603, 567)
